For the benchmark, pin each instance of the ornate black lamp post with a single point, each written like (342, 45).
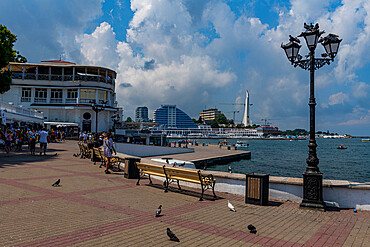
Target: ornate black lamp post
(97, 108)
(115, 119)
(312, 177)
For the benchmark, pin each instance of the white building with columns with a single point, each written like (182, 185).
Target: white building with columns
(63, 91)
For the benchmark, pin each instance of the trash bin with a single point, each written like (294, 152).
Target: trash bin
(257, 188)
(131, 171)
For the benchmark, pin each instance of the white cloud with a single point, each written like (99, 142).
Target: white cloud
(47, 29)
(338, 98)
(359, 117)
(360, 89)
(99, 48)
(205, 53)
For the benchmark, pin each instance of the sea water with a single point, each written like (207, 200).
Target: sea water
(288, 158)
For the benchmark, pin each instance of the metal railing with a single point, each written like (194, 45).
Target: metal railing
(21, 110)
(26, 99)
(71, 101)
(51, 77)
(40, 100)
(56, 100)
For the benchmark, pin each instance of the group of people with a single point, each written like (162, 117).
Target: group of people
(19, 137)
(104, 139)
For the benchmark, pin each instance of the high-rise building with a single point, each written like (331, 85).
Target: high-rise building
(209, 115)
(246, 121)
(171, 116)
(141, 114)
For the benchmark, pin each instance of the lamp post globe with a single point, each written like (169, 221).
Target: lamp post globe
(312, 177)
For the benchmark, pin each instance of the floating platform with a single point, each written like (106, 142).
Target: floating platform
(206, 156)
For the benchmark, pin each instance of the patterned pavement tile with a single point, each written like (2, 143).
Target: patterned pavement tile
(95, 209)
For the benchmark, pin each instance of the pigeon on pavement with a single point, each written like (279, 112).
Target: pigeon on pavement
(172, 236)
(231, 207)
(158, 212)
(252, 229)
(56, 184)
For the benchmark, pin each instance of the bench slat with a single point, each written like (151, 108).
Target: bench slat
(177, 174)
(153, 173)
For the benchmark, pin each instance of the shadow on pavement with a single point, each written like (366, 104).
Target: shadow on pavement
(192, 193)
(23, 157)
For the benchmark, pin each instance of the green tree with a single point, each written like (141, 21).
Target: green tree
(7, 54)
(222, 119)
(128, 120)
(214, 124)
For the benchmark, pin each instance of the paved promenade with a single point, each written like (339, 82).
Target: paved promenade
(91, 208)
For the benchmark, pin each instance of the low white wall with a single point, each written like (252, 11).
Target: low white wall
(148, 151)
(337, 193)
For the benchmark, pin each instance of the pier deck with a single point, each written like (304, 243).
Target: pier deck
(205, 156)
(91, 208)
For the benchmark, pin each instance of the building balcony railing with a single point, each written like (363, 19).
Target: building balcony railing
(71, 101)
(51, 77)
(43, 77)
(86, 100)
(28, 76)
(56, 100)
(26, 99)
(40, 100)
(20, 110)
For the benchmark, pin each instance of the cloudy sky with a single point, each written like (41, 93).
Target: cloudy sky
(200, 53)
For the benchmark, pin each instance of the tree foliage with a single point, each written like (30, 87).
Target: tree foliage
(7, 54)
(222, 119)
(128, 120)
(295, 132)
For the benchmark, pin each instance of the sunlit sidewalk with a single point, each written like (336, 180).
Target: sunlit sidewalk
(91, 208)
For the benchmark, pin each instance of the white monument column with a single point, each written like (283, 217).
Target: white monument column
(246, 121)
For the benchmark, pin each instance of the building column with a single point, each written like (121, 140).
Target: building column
(32, 95)
(64, 94)
(62, 74)
(78, 94)
(48, 95)
(49, 73)
(73, 73)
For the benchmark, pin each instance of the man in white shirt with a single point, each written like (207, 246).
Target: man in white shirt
(44, 138)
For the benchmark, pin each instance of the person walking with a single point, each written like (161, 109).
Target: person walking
(108, 150)
(32, 144)
(44, 139)
(8, 141)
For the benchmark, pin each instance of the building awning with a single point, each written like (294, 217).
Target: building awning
(62, 124)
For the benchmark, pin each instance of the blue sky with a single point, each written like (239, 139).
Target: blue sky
(205, 52)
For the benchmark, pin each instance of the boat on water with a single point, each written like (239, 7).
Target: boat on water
(341, 147)
(365, 140)
(241, 144)
(224, 143)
